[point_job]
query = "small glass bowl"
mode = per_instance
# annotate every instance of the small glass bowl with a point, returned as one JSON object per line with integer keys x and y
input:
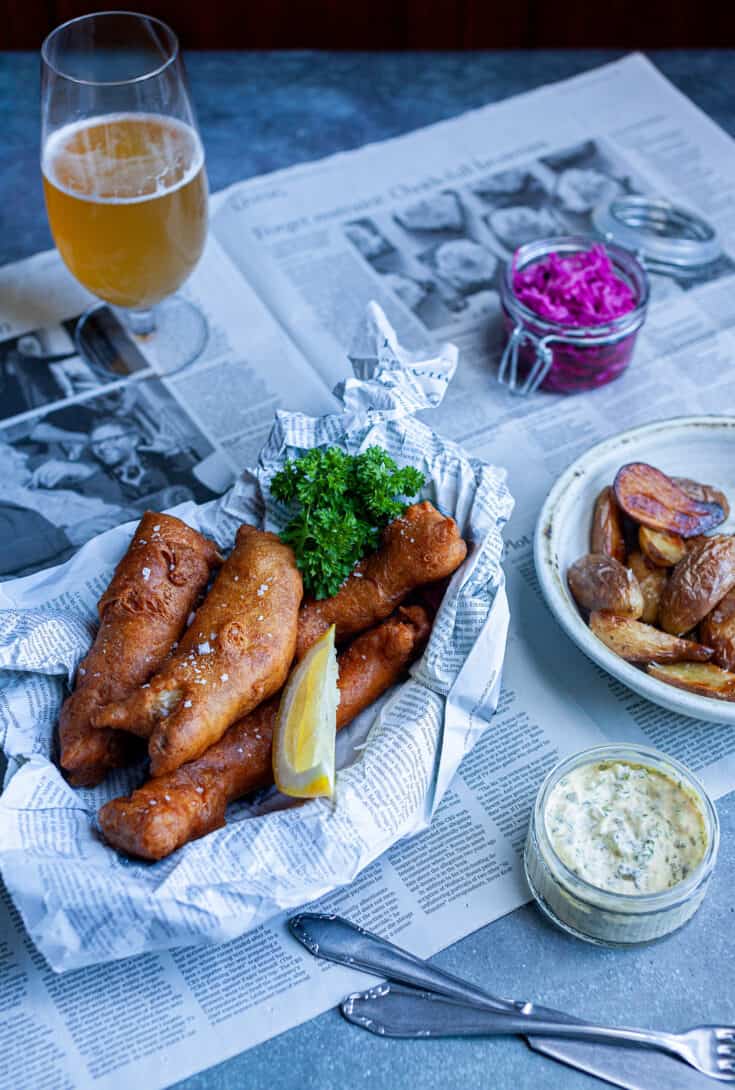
{"x": 597, "y": 915}
{"x": 548, "y": 355}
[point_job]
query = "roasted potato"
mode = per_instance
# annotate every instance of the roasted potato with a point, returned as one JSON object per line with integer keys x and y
{"x": 705, "y": 493}
{"x": 693, "y": 543}
{"x": 697, "y": 584}
{"x": 641, "y": 643}
{"x": 697, "y": 677}
{"x": 654, "y": 500}
{"x": 718, "y": 630}
{"x": 601, "y": 582}
{"x": 607, "y": 533}
{"x": 662, "y": 548}
{"x": 651, "y": 580}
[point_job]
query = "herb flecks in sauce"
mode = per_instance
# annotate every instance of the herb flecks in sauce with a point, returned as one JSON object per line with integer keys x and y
{"x": 625, "y": 827}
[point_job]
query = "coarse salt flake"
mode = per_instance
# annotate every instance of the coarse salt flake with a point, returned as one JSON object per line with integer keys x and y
{"x": 146, "y": 573}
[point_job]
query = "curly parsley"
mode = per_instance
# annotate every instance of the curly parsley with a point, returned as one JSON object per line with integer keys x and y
{"x": 343, "y": 502}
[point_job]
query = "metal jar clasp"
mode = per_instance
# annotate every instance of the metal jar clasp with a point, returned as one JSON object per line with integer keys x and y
{"x": 508, "y": 369}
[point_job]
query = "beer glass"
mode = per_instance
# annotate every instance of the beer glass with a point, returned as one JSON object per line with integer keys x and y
{"x": 124, "y": 176}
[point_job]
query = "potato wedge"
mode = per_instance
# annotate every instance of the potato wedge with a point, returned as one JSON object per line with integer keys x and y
{"x": 653, "y": 500}
{"x": 651, "y": 580}
{"x": 702, "y": 678}
{"x": 718, "y": 630}
{"x": 601, "y": 582}
{"x": 661, "y": 547}
{"x": 607, "y": 533}
{"x": 693, "y": 543}
{"x": 705, "y": 493}
{"x": 641, "y": 643}
{"x": 697, "y": 584}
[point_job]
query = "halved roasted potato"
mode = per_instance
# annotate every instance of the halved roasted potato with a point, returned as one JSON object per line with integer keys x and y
{"x": 702, "y": 678}
{"x": 651, "y": 580}
{"x": 718, "y": 630}
{"x": 641, "y": 643}
{"x": 661, "y": 547}
{"x": 697, "y": 584}
{"x": 601, "y": 582}
{"x": 654, "y": 500}
{"x": 607, "y": 533}
{"x": 705, "y": 493}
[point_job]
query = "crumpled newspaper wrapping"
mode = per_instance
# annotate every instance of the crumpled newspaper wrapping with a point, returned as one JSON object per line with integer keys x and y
{"x": 81, "y": 902}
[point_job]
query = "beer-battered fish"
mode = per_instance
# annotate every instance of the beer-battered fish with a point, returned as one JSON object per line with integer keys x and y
{"x": 235, "y": 654}
{"x": 190, "y": 802}
{"x": 142, "y": 612}
{"x": 419, "y": 547}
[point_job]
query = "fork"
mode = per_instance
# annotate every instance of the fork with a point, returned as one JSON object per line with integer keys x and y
{"x": 394, "y": 1011}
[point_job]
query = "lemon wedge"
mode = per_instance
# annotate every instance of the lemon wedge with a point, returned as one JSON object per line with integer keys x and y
{"x": 306, "y": 726}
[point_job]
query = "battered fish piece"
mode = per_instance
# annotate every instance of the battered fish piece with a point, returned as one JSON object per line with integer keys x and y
{"x": 420, "y": 547}
{"x": 142, "y": 612}
{"x": 172, "y": 810}
{"x": 235, "y": 654}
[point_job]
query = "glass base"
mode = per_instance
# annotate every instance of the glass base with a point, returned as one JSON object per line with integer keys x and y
{"x": 107, "y": 340}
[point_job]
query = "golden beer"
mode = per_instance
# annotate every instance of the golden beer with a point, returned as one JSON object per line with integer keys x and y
{"x": 126, "y": 196}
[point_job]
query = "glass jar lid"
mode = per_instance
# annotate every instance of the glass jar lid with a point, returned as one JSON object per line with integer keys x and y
{"x": 667, "y": 236}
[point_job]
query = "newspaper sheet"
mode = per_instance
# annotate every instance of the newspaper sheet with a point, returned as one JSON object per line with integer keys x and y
{"x": 421, "y": 224}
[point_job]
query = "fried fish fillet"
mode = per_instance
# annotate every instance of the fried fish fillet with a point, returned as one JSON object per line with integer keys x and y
{"x": 235, "y": 654}
{"x": 420, "y": 547}
{"x": 142, "y": 612}
{"x": 174, "y": 809}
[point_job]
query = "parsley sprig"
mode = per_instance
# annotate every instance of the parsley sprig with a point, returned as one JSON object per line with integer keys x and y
{"x": 342, "y": 503}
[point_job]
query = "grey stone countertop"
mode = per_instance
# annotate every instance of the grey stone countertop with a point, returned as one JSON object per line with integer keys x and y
{"x": 262, "y": 111}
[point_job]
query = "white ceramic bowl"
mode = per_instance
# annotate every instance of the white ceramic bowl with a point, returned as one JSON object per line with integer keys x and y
{"x": 700, "y": 447}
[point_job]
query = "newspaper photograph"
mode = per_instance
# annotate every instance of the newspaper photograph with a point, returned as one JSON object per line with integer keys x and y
{"x": 422, "y": 225}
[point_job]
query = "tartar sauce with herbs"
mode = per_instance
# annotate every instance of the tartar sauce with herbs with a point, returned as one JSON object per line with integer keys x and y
{"x": 625, "y": 827}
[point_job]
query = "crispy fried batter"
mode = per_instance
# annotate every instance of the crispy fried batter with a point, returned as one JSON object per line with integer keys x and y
{"x": 142, "y": 612}
{"x": 168, "y": 812}
{"x": 420, "y": 547}
{"x": 235, "y": 654}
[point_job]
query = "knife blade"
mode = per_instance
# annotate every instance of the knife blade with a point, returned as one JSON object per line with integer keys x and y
{"x": 336, "y": 939}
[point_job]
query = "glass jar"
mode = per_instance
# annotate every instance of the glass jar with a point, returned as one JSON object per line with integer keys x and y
{"x": 544, "y": 354}
{"x": 601, "y": 916}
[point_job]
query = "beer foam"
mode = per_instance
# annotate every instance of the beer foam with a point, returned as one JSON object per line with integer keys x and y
{"x": 80, "y": 159}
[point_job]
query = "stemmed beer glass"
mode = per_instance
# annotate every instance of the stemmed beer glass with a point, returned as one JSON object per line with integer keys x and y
{"x": 124, "y": 176}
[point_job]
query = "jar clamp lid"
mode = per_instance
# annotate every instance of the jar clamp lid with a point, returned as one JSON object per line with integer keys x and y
{"x": 666, "y": 237}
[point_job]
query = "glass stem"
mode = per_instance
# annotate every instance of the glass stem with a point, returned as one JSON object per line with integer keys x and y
{"x": 141, "y": 322}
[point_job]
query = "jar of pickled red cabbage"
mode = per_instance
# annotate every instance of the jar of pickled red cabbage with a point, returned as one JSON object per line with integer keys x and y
{"x": 572, "y": 308}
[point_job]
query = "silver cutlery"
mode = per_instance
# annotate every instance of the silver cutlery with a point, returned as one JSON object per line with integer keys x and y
{"x": 392, "y": 1011}
{"x": 337, "y": 940}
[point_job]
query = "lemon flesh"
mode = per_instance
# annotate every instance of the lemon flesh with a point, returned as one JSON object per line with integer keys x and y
{"x": 306, "y": 725}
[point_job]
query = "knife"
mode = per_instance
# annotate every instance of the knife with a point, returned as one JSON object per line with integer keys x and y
{"x": 336, "y": 939}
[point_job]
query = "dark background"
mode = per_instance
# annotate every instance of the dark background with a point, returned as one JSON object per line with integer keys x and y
{"x": 404, "y": 24}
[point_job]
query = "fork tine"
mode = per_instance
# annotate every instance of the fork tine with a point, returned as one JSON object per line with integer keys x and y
{"x": 726, "y": 1050}
{"x": 725, "y": 1033}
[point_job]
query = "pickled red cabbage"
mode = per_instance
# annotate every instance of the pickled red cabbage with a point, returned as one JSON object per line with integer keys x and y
{"x": 578, "y": 289}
